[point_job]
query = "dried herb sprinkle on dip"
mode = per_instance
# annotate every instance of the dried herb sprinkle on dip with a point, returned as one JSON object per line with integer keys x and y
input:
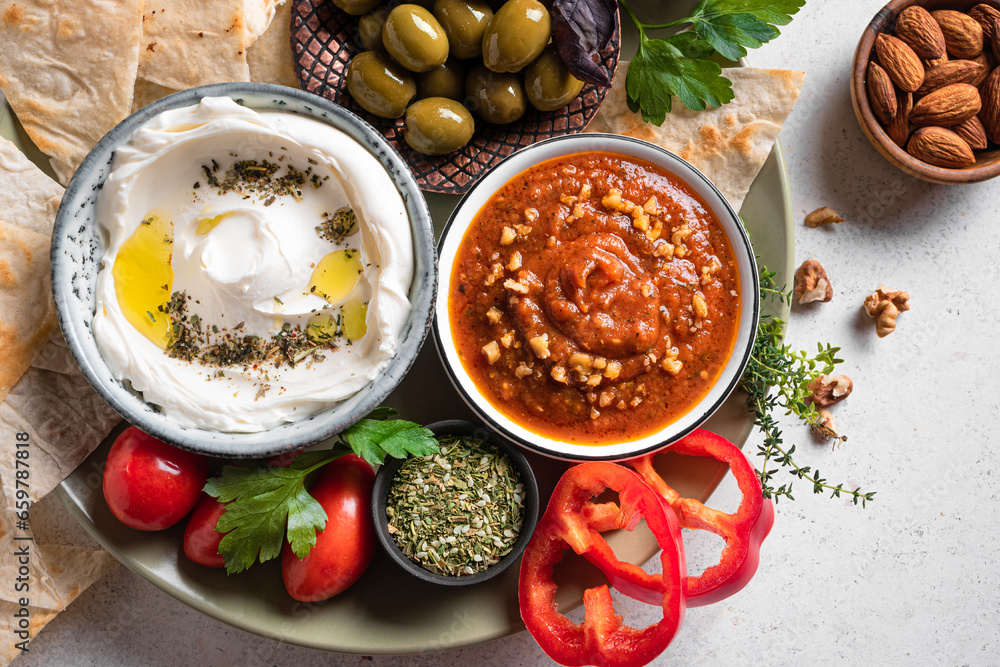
{"x": 459, "y": 511}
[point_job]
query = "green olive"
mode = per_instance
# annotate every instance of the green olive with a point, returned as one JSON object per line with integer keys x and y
{"x": 517, "y": 34}
{"x": 448, "y": 80}
{"x": 464, "y": 21}
{"x": 414, "y": 38}
{"x": 495, "y": 97}
{"x": 548, "y": 83}
{"x": 437, "y": 125}
{"x": 380, "y": 85}
{"x": 370, "y": 30}
{"x": 357, "y": 7}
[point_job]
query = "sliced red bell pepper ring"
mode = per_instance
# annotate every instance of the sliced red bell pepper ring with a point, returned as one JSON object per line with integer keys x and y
{"x": 743, "y": 531}
{"x": 602, "y": 638}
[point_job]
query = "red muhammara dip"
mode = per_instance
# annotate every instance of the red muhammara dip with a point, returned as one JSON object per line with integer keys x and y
{"x": 594, "y": 299}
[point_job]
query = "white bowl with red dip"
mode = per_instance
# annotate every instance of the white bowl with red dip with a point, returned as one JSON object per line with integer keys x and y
{"x": 599, "y": 298}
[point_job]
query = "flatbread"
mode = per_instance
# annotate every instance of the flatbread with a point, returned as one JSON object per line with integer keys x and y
{"x": 57, "y": 572}
{"x": 270, "y": 58}
{"x": 68, "y": 82}
{"x": 63, "y": 416}
{"x": 50, "y": 407}
{"x": 188, "y": 43}
{"x": 28, "y": 203}
{"x": 728, "y": 144}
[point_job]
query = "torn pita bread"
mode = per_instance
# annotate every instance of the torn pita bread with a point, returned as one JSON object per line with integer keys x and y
{"x": 188, "y": 43}
{"x": 728, "y": 144}
{"x": 57, "y": 574}
{"x": 270, "y": 58}
{"x": 63, "y": 416}
{"x": 28, "y": 203}
{"x": 50, "y": 401}
{"x": 258, "y": 16}
{"x": 68, "y": 82}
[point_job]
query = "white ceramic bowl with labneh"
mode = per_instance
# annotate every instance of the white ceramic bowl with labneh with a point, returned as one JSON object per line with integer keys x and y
{"x": 243, "y": 269}
{"x": 599, "y": 298}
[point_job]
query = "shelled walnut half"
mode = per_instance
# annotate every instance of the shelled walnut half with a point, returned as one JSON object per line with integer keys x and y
{"x": 885, "y": 306}
{"x": 812, "y": 283}
{"x": 826, "y": 390}
{"x": 823, "y": 216}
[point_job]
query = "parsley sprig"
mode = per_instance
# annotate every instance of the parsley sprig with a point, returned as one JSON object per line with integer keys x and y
{"x": 266, "y": 503}
{"x": 778, "y": 377}
{"x": 679, "y": 65}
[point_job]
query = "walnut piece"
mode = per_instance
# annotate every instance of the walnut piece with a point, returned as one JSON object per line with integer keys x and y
{"x": 492, "y": 352}
{"x": 827, "y": 390}
{"x": 540, "y": 346}
{"x": 822, "y": 216}
{"x": 699, "y": 305}
{"x": 812, "y": 283}
{"x": 885, "y": 306}
{"x": 515, "y": 286}
{"x": 825, "y": 428}
{"x": 515, "y": 262}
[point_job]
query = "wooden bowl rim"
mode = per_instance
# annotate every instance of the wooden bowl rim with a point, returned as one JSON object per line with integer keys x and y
{"x": 871, "y": 127}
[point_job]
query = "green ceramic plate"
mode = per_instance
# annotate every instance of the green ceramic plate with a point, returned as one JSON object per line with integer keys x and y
{"x": 387, "y": 611}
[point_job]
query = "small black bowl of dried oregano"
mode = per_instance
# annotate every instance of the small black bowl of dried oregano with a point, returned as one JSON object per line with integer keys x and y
{"x": 461, "y": 516}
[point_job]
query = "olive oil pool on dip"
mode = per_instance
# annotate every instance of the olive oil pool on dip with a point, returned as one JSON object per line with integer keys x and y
{"x": 594, "y": 299}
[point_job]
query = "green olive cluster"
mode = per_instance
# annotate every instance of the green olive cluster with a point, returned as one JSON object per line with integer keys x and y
{"x": 438, "y": 60}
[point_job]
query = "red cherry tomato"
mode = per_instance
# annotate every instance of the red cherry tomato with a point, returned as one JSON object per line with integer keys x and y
{"x": 150, "y": 485}
{"x": 344, "y": 548}
{"x": 201, "y": 539}
{"x": 283, "y": 460}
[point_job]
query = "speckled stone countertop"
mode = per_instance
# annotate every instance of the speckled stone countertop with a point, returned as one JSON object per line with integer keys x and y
{"x": 909, "y": 580}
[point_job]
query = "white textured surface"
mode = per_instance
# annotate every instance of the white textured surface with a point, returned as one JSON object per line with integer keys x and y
{"x": 910, "y": 580}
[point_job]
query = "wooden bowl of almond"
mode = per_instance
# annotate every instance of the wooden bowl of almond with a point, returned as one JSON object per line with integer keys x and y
{"x": 926, "y": 88}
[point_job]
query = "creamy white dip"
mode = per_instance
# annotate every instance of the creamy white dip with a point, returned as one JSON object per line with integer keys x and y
{"x": 245, "y": 260}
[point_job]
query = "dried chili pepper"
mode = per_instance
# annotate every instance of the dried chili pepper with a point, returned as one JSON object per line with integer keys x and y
{"x": 743, "y": 531}
{"x": 573, "y": 521}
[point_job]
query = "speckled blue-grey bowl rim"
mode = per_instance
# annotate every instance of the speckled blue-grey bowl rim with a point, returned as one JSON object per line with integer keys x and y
{"x": 77, "y": 249}
{"x": 531, "y": 500}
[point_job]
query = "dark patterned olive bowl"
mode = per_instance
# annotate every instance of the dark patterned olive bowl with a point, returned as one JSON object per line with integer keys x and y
{"x": 324, "y": 39}
{"x": 479, "y": 475}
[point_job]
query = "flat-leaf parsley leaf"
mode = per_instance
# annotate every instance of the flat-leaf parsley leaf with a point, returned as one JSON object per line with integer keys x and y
{"x": 264, "y": 503}
{"x": 679, "y": 65}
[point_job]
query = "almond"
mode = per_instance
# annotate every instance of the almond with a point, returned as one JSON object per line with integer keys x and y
{"x": 995, "y": 42}
{"x": 972, "y": 132}
{"x": 988, "y": 62}
{"x": 954, "y": 71}
{"x": 986, "y": 16}
{"x": 881, "y": 93}
{"x": 941, "y": 147}
{"x": 947, "y": 106}
{"x": 900, "y": 62}
{"x": 962, "y": 34}
{"x": 899, "y": 129}
{"x": 990, "y": 113}
{"x": 920, "y": 31}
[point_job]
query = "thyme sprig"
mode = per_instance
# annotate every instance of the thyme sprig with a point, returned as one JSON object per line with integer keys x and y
{"x": 779, "y": 377}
